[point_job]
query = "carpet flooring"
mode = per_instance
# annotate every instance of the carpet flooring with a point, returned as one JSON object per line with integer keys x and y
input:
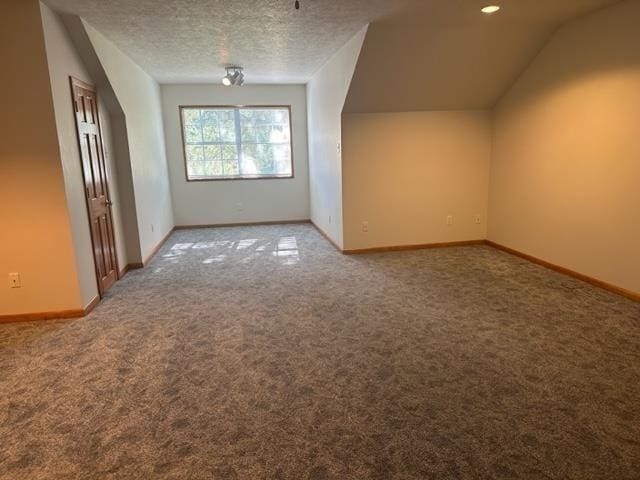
{"x": 262, "y": 353}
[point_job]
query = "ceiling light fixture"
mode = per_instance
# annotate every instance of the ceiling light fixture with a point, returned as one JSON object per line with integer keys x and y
{"x": 234, "y": 77}
{"x": 491, "y": 9}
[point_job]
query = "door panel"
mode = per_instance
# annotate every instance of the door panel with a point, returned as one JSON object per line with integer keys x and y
{"x": 96, "y": 183}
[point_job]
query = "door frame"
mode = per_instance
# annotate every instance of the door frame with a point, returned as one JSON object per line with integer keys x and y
{"x": 87, "y": 86}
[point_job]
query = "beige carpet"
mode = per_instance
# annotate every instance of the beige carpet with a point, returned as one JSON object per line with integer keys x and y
{"x": 262, "y": 353}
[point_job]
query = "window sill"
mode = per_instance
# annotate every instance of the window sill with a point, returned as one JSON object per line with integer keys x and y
{"x": 246, "y": 177}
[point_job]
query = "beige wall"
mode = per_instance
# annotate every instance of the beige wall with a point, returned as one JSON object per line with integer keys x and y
{"x": 206, "y": 203}
{"x": 445, "y": 55}
{"x": 139, "y": 96}
{"x": 326, "y": 93}
{"x": 566, "y": 164}
{"x": 35, "y": 233}
{"x": 63, "y": 62}
{"x": 404, "y": 173}
{"x": 427, "y": 67}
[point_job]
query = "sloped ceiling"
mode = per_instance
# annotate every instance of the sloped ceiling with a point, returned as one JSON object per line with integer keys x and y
{"x": 419, "y": 54}
{"x": 447, "y": 55}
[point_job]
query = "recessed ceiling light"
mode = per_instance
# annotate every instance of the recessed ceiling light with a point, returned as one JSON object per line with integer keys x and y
{"x": 491, "y": 9}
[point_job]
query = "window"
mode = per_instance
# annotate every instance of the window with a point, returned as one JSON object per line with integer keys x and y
{"x": 237, "y": 142}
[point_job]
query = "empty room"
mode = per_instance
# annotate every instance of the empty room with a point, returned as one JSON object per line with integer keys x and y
{"x": 320, "y": 239}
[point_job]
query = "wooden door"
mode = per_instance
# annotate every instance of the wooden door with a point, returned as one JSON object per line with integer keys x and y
{"x": 95, "y": 182}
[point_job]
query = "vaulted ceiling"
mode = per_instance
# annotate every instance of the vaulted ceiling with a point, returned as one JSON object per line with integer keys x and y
{"x": 418, "y": 54}
{"x": 447, "y": 55}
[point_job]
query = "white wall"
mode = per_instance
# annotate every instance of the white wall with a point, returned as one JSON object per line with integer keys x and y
{"x": 139, "y": 97}
{"x": 404, "y": 173}
{"x": 326, "y": 94}
{"x": 216, "y": 202}
{"x": 566, "y": 163}
{"x": 115, "y": 139}
{"x": 116, "y": 144}
{"x": 119, "y": 206}
{"x": 35, "y": 233}
{"x": 63, "y": 62}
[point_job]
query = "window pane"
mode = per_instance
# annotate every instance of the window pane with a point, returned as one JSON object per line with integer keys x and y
{"x": 210, "y": 116}
{"x": 212, "y": 149}
{"x": 230, "y": 167}
{"x": 248, "y": 161}
{"x": 191, "y": 170}
{"x": 282, "y": 159}
{"x": 210, "y": 133}
{"x": 281, "y": 134}
{"x": 217, "y": 169}
{"x": 192, "y": 134}
{"x": 208, "y": 168}
{"x": 212, "y": 152}
{"x": 229, "y": 152}
{"x": 195, "y": 153}
{"x": 191, "y": 117}
{"x": 228, "y": 130}
{"x": 264, "y": 134}
{"x": 196, "y": 168}
{"x": 248, "y": 134}
{"x": 266, "y": 143}
{"x": 258, "y": 159}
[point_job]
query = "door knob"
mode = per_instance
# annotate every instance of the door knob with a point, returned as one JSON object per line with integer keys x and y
{"x": 108, "y": 202}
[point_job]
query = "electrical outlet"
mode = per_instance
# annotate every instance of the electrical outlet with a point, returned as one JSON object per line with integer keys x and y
{"x": 240, "y": 207}
{"x": 14, "y": 280}
{"x": 478, "y": 219}
{"x": 450, "y": 220}
{"x": 365, "y": 227}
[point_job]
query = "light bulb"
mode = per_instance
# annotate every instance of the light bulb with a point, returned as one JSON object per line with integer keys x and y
{"x": 491, "y": 9}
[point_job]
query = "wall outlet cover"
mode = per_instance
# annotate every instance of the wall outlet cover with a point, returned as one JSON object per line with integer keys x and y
{"x": 14, "y": 280}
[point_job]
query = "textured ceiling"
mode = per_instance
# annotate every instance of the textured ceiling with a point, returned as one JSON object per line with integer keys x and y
{"x": 192, "y": 40}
